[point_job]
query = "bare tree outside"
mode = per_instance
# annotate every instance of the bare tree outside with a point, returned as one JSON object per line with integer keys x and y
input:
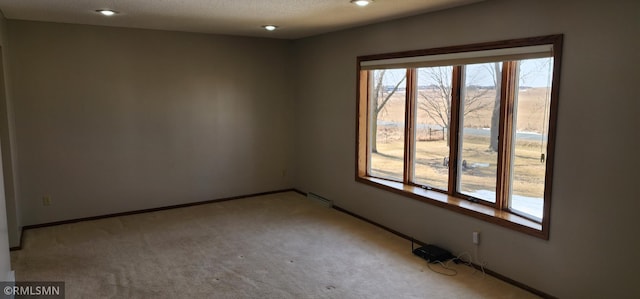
{"x": 496, "y": 75}
{"x": 435, "y": 99}
{"x": 495, "y": 70}
{"x": 380, "y": 95}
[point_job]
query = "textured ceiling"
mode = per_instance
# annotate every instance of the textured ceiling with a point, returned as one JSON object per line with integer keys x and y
{"x": 296, "y": 18}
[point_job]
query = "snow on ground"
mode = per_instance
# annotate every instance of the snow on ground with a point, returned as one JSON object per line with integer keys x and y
{"x": 530, "y": 205}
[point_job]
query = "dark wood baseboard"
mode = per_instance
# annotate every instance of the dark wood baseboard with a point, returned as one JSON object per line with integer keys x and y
{"x": 395, "y": 232}
{"x": 488, "y": 271}
{"x": 14, "y": 248}
{"x": 26, "y": 227}
{"x": 515, "y": 283}
{"x": 299, "y": 192}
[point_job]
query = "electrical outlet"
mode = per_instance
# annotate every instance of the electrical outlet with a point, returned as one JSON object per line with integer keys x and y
{"x": 46, "y": 200}
{"x": 476, "y": 238}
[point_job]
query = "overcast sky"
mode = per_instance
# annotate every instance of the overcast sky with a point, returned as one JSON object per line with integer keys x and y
{"x": 533, "y": 73}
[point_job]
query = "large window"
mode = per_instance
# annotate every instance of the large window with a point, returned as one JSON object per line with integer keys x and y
{"x": 469, "y": 128}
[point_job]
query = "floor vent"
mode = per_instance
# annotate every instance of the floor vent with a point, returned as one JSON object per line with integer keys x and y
{"x": 319, "y": 199}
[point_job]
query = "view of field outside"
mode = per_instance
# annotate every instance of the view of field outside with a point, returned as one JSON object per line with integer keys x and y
{"x": 478, "y": 154}
{"x": 432, "y": 123}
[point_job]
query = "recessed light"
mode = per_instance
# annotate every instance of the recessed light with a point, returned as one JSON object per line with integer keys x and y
{"x": 270, "y": 27}
{"x": 361, "y": 2}
{"x": 107, "y": 12}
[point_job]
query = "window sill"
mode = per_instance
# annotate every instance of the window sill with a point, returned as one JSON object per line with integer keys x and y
{"x": 479, "y": 211}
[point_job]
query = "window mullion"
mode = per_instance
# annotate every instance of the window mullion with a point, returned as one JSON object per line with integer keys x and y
{"x": 454, "y": 126}
{"x": 505, "y": 137}
{"x": 364, "y": 123}
{"x": 409, "y": 128}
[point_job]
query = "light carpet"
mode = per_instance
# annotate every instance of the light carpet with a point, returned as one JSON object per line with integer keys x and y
{"x": 273, "y": 246}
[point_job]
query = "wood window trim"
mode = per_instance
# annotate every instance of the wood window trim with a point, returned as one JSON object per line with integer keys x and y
{"x": 456, "y": 204}
{"x": 499, "y": 213}
{"x": 409, "y": 111}
{"x": 454, "y": 126}
{"x": 505, "y": 129}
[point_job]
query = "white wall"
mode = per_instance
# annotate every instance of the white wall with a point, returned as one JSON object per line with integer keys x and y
{"x": 593, "y": 247}
{"x": 111, "y": 120}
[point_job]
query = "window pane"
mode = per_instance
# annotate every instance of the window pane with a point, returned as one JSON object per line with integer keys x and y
{"x": 531, "y": 113}
{"x": 480, "y": 107}
{"x": 387, "y": 106}
{"x": 433, "y": 114}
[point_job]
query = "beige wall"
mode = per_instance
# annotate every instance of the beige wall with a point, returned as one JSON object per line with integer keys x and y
{"x": 8, "y": 144}
{"x": 593, "y": 246}
{"x": 5, "y": 224}
{"x": 111, "y": 120}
